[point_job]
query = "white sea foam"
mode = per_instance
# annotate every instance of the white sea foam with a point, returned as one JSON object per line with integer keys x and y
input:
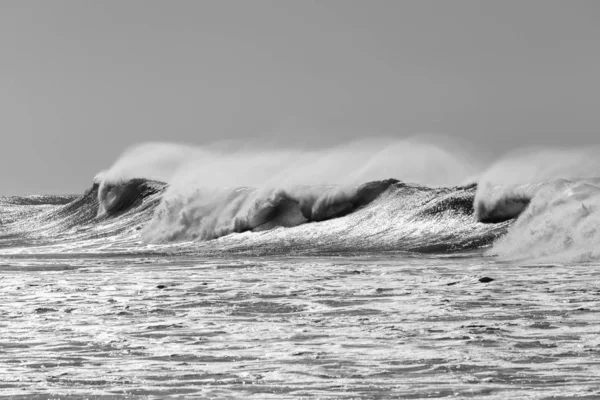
{"x": 556, "y": 196}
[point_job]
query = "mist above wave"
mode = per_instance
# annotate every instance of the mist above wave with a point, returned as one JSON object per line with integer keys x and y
{"x": 234, "y": 164}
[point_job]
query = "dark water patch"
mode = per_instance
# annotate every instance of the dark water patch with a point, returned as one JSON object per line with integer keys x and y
{"x": 430, "y": 393}
{"x": 205, "y": 359}
{"x": 237, "y": 266}
{"x": 277, "y": 388}
{"x": 568, "y": 354}
{"x": 481, "y": 329}
{"x": 74, "y": 382}
{"x": 361, "y": 345}
{"x": 485, "y": 343}
{"x": 406, "y": 370}
{"x": 197, "y": 378}
{"x": 283, "y": 295}
{"x": 449, "y": 338}
{"x": 201, "y": 304}
{"x": 254, "y": 308}
{"x": 161, "y": 327}
{"x": 535, "y": 344}
{"x": 60, "y": 362}
{"x": 343, "y": 303}
{"x": 299, "y": 337}
{"x": 542, "y": 325}
{"x": 44, "y": 310}
{"x": 584, "y": 309}
{"x": 344, "y": 313}
{"x": 158, "y": 393}
{"x": 471, "y": 368}
{"x": 16, "y": 345}
{"x": 316, "y": 361}
{"x": 525, "y": 338}
{"x": 535, "y": 360}
{"x": 174, "y": 334}
{"x": 208, "y": 334}
{"x": 573, "y": 324}
{"x": 37, "y": 268}
{"x": 161, "y": 311}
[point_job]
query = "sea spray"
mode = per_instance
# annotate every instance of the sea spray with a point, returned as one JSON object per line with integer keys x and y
{"x": 554, "y": 195}
{"x": 418, "y": 160}
{"x": 214, "y": 191}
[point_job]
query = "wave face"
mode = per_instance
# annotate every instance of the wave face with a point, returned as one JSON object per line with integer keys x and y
{"x": 53, "y": 220}
{"x": 376, "y": 216}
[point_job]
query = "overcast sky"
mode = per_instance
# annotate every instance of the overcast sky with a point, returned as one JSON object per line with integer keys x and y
{"x": 82, "y": 80}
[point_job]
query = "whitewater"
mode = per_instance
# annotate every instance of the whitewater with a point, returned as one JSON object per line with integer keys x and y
{"x": 375, "y": 269}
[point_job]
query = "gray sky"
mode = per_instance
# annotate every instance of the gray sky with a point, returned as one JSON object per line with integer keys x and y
{"x": 81, "y": 80}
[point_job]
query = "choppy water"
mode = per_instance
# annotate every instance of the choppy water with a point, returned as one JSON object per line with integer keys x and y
{"x": 370, "y": 326}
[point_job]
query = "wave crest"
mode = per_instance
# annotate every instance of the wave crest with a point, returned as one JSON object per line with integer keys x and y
{"x": 209, "y": 214}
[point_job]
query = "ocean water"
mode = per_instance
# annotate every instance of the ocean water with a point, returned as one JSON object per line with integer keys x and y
{"x": 142, "y": 288}
{"x": 345, "y": 326}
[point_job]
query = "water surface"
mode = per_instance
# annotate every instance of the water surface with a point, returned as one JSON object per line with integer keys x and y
{"x": 360, "y": 326}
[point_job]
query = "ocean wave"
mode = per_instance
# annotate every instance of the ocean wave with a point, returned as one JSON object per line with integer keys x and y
{"x": 554, "y": 197}
{"x": 81, "y": 218}
{"x": 517, "y": 209}
{"x": 215, "y": 193}
{"x": 557, "y": 220}
{"x": 378, "y": 215}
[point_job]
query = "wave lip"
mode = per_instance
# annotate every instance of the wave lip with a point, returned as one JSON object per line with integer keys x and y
{"x": 118, "y": 197}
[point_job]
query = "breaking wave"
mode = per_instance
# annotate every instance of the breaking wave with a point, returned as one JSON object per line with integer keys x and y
{"x": 164, "y": 196}
{"x": 215, "y": 213}
{"x": 376, "y": 216}
{"x": 554, "y": 197}
{"x": 83, "y": 220}
{"x": 213, "y": 192}
{"x": 536, "y": 204}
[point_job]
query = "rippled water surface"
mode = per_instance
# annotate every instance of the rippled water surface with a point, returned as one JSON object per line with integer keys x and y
{"x": 385, "y": 326}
